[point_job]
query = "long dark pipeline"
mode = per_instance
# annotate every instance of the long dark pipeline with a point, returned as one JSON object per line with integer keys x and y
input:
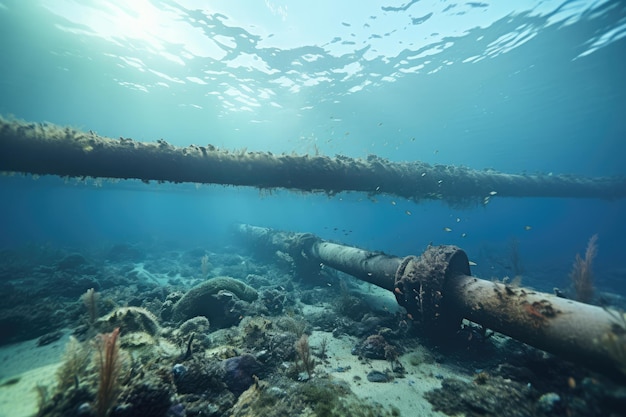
{"x": 42, "y": 148}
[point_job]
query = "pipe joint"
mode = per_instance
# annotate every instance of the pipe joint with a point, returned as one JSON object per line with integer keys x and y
{"x": 420, "y": 286}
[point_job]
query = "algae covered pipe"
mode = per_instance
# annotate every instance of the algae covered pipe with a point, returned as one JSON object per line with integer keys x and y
{"x": 438, "y": 291}
{"x": 42, "y": 148}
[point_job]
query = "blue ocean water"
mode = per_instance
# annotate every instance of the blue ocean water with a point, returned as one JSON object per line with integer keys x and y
{"x": 524, "y": 88}
{"x": 519, "y": 87}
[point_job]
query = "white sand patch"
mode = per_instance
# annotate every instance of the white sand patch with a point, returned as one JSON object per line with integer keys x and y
{"x": 406, "y": 394}
{"x": 25, "y": 366}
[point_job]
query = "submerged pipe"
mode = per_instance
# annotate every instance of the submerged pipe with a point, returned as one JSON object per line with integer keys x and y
{"x": 438, "y": 291}
{"x": 42, "y": 148}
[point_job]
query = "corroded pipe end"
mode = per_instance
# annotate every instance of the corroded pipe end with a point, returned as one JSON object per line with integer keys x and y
{"x": 420, "y": 287}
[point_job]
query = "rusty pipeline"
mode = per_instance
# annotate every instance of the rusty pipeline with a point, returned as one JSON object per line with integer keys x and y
{"x": 438, "y": 292}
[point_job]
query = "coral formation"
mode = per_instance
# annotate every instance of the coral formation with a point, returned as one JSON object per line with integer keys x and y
{"x": 315, "y": 398}
{"x": 304, "y": 354}
{"x": 582, "y": 273}
{"x": 75, "y": 362}
{"x": 109, "y": 367}
{"x": 90, "y": 300}
{"x": 239, "y": 372}
{"x": 215, "y": 300}
{"x": 487, "y": 399}
{"x": 130, "y": 320}
{"x": 219, "y": 349}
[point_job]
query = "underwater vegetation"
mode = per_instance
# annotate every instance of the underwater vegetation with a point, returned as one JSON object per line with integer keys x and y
{"x": 262, "y": 338}
{"x": 109, "y": 367}
{"x": 582, "y": 273}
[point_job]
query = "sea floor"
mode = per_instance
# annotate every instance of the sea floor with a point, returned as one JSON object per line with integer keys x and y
{"x": 235, "y": 333}
{"x": 37, "y": 366}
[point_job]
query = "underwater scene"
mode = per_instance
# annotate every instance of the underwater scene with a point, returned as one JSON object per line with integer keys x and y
{"x": 296, "y": 208}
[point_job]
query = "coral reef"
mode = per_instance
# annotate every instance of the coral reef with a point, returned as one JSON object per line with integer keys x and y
{"x": 216, "y": 348}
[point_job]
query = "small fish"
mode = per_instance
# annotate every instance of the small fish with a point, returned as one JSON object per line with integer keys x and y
{"x": 393, "y": 203}
{"x": 463, "y": 234}
{"x": 528, "y": 227}
{"x": 447, "y": 229}
{"x": 493, "y": 193}
{"x": 472, "y": 263}
{"x": 408, "y": 213}
{"x": 458, "y": 219}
